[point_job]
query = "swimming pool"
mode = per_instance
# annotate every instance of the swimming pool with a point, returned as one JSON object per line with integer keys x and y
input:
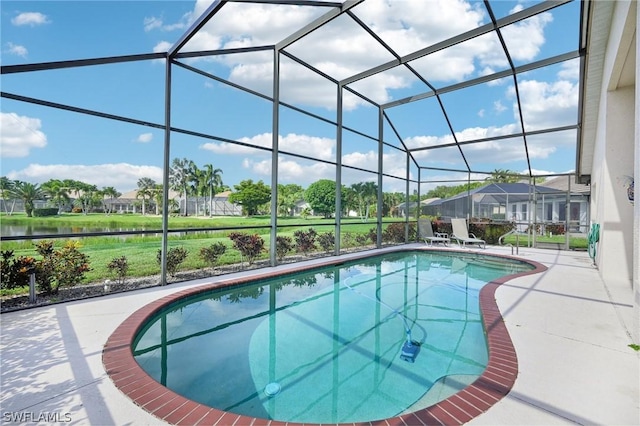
{"x": 324, "y": 345}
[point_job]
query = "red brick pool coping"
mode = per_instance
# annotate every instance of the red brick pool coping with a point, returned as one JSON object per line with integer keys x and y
{"x": 494, "y": 383}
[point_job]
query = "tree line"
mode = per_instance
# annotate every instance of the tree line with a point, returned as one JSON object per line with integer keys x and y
{"x": 188, "y": 180}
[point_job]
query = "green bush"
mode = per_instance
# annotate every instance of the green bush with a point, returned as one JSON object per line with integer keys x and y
{"x": 373, "y": 235}
{"x": 15, "y": 272}
{"x": 284, "y": 245}
{"x": 212, "y": 253}
{"x": 305, "y": 240}
{"x": 327, "y": 241}
{"x": 175, "y": 256}
{"x": 119, "y": 267}
{"x": 249, "y": 246}
{"x": 65, "y": 267}
{"x": 46, "y": 211}
{"x": 71, "y": 264}
{"x": 394, "y": 233}
{"x": 554, "y": 228}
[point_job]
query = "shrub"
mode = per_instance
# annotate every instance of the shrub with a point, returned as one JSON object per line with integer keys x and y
{"x": 373, "y": 235}
{"x": 395, "y": 233}
{"x": 554, "y": 228}
{"x": 47, "y": 211}
{"x": 70, "y": 265}
{"x": 284, "y": 245}
{"x": 249, "y": 246}
{"x": 45, "y": 268}
{"x": 305, "y": 240}
{"x": 65, "y": 267}
{"x": 212, "y": 253}
{"x": 119, "y": 267}
{"x": 362, "y": 239}
{"x": 327, "y": 241}
{"x": 175, "y": 256}
{"x": 348, "y": 239}
{"x": 15, "y": 272}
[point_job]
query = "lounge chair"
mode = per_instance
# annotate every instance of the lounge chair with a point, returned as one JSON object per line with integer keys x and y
{"x": 427, "y": 234}
{"x": 462, "y": 236}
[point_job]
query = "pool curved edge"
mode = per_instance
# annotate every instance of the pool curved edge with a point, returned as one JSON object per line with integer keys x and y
{"x": 494, "y": 383}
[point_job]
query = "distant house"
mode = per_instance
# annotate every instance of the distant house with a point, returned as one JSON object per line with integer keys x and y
{"x": 220, "y": 205}
{"x": 556, "y": 201}
{"x": 401, "y": 209}
{"x": 299, "y": 207}
{"x": 130, "y": 203}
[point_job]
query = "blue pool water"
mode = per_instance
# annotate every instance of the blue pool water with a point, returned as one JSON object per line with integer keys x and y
{"x": 324, "y": 346}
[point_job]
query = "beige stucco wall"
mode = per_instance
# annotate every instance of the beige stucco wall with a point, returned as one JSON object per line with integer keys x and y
{"x": 617, "y": 157}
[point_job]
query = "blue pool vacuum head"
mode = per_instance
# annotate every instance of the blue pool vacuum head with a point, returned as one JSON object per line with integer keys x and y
{"x": 410, "y": 348}
{"x": 410, "y": 351}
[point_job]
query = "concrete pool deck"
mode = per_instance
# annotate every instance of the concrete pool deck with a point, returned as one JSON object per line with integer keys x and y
{"x": 569, "y": 330}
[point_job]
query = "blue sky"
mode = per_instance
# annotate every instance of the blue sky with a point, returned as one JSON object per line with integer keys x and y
{"x": 39, "y": 143}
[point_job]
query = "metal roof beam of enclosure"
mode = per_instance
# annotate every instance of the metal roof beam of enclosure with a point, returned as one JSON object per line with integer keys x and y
{"x": 218, "y": 52}
{"x": 338, "y": 192}
{"x": 397, "y": 61}
{"x": 327, "y": 17}
{"x": 484, "y": 79}
{"x": 308, "y": 66}
{"x": 390, "y": 123}
{"x": 495, "y": 138}
{"x": 275, "y": 132}
{"x": 270, "y": 99}
{"x": 80, "y": 110}
{"x": 223, "y": 81}
{"x": 195, "y": 27}
{"x": 453, "y": 133}
{"x": 515, "y": 83}
{"x": 460, "y": 38}
{"x": 43, "y": 66}
{"x": 290, "y": 2}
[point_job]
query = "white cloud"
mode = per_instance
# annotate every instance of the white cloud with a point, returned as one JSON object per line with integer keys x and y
{"x": 548, "y": 104}
{"x": 292, "y": 171}
{"x": 570, "y": 70}
{"x": 341, "y": 48}
{"x": 19, "y": 135}
{"x": 122, "y": 176}
{"x": 498, "y": 107}
{"x": 151, "y": 23}
{"x": 311, "y": 146}
{"x": 525, "y": 38}
{"x": 145, "y": 138}
{"x": 162, "y": 46}
{"x": 16, "y": 49}
{"x": 30, "y": 18}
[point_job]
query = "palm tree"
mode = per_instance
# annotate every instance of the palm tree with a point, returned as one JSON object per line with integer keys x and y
{"x": 179, "y": 177}
{"x": 196, "y": 187}
{"x": 6, "y": 192}
{"x": 111, "y": 192}
{"x": 28, "y": 193}
{"x": 145, "y": 190}
{"x": 211, "y": 180}
{"x": 88, "y": 196}
{"x": 157, "y": 194}
{"x": 366, "y": 193}
{"x": 57, "y": 192}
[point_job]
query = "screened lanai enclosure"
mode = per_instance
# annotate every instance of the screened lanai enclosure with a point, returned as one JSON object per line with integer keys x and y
{"x": 400, "y": 97}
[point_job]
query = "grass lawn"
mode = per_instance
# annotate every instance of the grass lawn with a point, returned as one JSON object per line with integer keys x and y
{"x": 131, "y": 221}
{"x": 575, "y": 243}
{"x": 141, "y": 251}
